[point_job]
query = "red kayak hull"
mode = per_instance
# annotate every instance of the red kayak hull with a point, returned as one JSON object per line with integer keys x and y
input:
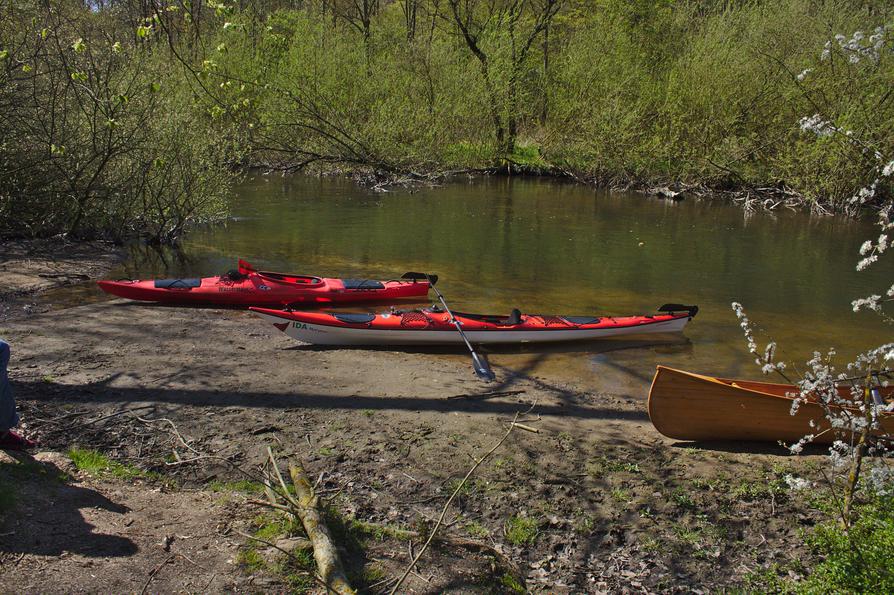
{"x": 433, "y": 327}
{"x": 259, "y": 288}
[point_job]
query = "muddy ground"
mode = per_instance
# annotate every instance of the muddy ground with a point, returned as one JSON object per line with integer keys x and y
{"x": 187, "y": 401}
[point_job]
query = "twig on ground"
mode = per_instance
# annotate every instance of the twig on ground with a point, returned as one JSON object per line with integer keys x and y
{"x": 456, "y": 491}
{"x": 155, "y": 571}
{"x": 525, "y": 428}
{"x": 174, "y": 429}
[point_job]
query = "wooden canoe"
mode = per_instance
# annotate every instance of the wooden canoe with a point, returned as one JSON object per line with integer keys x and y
{"x": 687, "y": 406}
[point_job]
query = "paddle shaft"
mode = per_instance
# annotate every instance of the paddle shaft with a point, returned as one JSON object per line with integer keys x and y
{"x": 481, "y": 367}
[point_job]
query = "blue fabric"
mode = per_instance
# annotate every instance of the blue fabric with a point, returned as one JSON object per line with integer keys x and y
{"x": 8, "y": 416}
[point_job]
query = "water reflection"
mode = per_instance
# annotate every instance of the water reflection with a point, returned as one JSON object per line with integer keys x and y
{"x": 550, "y": 247}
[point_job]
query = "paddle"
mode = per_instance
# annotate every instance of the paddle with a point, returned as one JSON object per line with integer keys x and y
{"x": 482, "y": 368}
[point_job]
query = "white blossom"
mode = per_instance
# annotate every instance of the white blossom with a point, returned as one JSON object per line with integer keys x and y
{"x": 870, "y": 303}
{"x": 797, "y": 484}
{"x": 817, "y": 125}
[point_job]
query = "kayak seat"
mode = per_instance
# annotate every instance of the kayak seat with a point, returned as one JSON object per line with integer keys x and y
{"x": 177, "y": 283}
{"x": 354, "y": 318}
{"x": 363, "y": 284}
{"x": 579, "y": 320}
{"x": 233, "y": 276}
{"x": 513, "y": 319}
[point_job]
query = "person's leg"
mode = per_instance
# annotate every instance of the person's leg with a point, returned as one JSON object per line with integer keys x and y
{"x": 9, "y": 418}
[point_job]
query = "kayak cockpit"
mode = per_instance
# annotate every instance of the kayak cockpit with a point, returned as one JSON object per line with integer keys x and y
{"x": 290, "y": 279}
{"x": 513, "y": 319}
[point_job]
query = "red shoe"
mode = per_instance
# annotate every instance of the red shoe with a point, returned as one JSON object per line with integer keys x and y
{"x": 10, "y": 440}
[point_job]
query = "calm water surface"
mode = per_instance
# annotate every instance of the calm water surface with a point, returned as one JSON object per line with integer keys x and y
{"x": 552, "y": 247}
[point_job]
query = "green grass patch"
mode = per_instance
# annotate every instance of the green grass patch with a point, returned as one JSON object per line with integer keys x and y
{"x": 297, "y": 570}
{"x": 476, "y": 530}
{"x": 521, "y": 530}
{"x": 250, "y": 559}
{"x": 621, "y": 495}
{"x": 244, "y": 486}
{"x": 366, "y": 530}
{"x": 501, "y": 463}
{"x": 95, "y": 463}
{"x": 372, "y": 574}
{"x": 270, "y": 526}
{"x": 753, "y": 491}
{"x": 603, "y": 465}
{"x": 511, "y": 584}
{"x": 683, "y": 499}
{"x": 766, "y": 580}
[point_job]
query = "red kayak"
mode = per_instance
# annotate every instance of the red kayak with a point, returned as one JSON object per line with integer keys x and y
{"x": 248, "y": 287}
{"x": 434, "y": 327}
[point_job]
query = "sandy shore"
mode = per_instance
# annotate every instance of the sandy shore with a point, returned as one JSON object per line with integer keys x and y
{"x": 604, "y": 501}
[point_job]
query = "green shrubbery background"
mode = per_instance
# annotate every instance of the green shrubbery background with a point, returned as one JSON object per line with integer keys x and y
{"x": 136, "y": 127}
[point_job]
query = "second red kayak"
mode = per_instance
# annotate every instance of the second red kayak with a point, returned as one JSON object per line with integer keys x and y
{"x": 434, "y": 327}
{"x": 249, "y": 287}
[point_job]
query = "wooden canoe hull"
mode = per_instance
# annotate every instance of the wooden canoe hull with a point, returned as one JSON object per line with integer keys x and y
{"x": 687, "y": 406}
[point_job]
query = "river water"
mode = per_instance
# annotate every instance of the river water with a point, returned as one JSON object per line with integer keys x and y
{"x": 552, "y": 247}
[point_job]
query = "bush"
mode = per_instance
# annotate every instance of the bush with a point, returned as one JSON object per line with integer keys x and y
{"x": 858, "y": 560}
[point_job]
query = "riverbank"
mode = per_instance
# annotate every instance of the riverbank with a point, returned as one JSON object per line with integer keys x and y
{"x": 179, "y": 400}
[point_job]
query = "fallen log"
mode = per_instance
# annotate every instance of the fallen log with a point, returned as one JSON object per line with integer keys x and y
{"x": 308, "y": 510}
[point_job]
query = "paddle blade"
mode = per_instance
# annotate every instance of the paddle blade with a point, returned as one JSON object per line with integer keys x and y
{"x": 482, "y": 368}
{"x": 671, "y": 308}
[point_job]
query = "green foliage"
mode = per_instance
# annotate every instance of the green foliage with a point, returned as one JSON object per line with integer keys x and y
{"x": 521, "y": 530}
{"x": 858, "y": 560}
{"x": 116, "y": 125}
{"x": 100, "y": 136}
{"x": 96, "y": 463}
